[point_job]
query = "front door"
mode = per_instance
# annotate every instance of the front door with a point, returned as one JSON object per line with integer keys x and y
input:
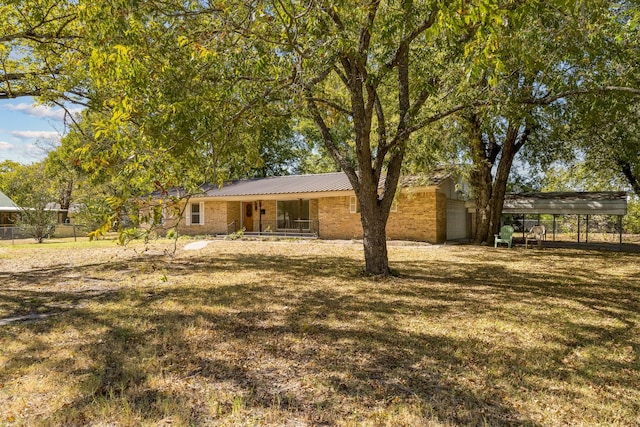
{"x": 247, "y": 209}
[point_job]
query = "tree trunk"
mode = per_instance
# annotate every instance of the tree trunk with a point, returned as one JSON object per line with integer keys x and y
{"x": 510, "y": 147}
{"x": 489, "y": 192}
{"x": 481, "y": 184}
{"x": 483, "y": 154}
{"x": 628, "y": 173}
{"x": 374, "y": 230}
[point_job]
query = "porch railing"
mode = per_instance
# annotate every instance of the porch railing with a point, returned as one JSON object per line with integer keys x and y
{"x": 298, "y": 227}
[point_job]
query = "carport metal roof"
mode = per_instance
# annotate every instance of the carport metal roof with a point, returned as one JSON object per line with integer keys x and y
{"x": 567, "y": 203}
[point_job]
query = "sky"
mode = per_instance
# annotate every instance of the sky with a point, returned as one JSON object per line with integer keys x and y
{"x": 28, "y": 130}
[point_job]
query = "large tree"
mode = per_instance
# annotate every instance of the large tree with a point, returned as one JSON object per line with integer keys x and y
{"x": 186, "y": 84}
{"x": 382, "y": 70}
{"x": 569, "y": 58}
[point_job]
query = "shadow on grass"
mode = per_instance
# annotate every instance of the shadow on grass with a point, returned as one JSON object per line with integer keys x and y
{"x": 306, "y": 337}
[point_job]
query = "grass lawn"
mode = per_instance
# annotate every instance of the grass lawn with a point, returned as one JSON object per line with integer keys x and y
{"x": 289, "y": 333}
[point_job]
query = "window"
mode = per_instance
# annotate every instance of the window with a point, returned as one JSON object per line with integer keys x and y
{"x": 354, "y": 205}
{"x": 293, "y": 214}
{"x": 195, "y": 214}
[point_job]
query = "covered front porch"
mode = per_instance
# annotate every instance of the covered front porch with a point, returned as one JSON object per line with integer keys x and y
{"x": 289, "y": 218}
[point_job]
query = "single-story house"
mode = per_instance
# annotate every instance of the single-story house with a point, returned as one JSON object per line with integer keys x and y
{"x": 64, "y": 216}
{"x": 427, "y": 208}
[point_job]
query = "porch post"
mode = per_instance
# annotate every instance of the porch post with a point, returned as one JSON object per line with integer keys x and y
{"x": 554, "y": 227}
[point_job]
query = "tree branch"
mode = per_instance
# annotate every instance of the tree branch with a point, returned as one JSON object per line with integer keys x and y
{"x": 333, "y": 105}
{"x": 404, "y": 44}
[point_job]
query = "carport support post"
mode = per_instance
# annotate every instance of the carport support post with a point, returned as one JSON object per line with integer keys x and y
{"x": 586, "y": 231}
{"x": 579, "y": 228}
{"x": 554, "y": 227}
{"x": 620, "y": 227}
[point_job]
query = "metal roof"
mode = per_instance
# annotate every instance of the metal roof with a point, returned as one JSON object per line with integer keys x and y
{"x": 6, "y": 204}
{"x": 309, "y": 184}
{"x": 564, "y": 203}
{"x": 295, "y": 185}
{"x": 290, "y": 184}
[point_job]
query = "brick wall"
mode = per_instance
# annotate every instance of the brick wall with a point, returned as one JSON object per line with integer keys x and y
{"x": 336, "y": 222}
{"x": 421, "y": 215}
{"x": 234, "y": 214}
{"x": 215, "y": 220}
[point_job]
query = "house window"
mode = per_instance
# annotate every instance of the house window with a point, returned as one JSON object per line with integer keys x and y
{"x": 195, "y": 214}
{"x": 293, "y": 214}
{"x": 354, "y": 205}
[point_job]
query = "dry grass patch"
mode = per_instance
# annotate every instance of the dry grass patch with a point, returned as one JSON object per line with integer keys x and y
{"x": 289, "y": 333}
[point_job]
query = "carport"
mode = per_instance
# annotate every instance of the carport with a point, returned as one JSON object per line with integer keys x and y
{"x": 581, "y": 204}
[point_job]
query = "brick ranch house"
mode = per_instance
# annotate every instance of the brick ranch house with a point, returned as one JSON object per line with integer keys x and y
{"x": 427, "y": 208}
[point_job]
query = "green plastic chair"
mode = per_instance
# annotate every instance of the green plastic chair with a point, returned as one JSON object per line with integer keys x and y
{"x": 505, "y": 236}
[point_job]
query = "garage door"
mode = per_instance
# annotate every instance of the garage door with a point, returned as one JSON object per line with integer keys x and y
{"x": 456, "y": 220}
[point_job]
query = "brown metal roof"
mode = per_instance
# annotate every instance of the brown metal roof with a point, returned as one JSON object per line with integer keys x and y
{"x": 297, "y": 184}
{"x": 316, "y": 183}
{"x": 435, "y": 177}
{"x": 291, "y": 184}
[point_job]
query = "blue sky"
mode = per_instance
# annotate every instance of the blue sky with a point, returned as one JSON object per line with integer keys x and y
{"x": 28, "y": 130}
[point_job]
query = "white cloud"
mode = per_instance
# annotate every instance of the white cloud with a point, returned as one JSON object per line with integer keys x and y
{"x": 22, "y": 153}
{"x": 40, "y": 111}
{"x": 37, "y": 135}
